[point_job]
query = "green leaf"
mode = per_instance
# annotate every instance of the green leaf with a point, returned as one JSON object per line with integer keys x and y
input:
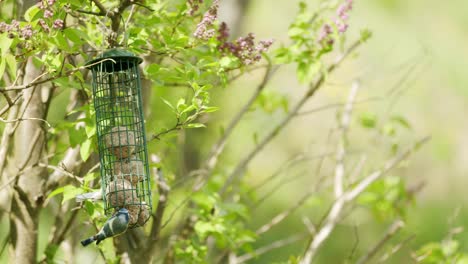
{"x": 85, "y": 149}
{"x": 450, "y": 247}
{"x": 195, "y": 125}
{"x": 2, "y": 65}
{"x": 153, "y": 69}
{"x": 61, "y": 42}
{"x": 5, "y": 44}
{"x": 73, "y": 35}
{"x": 70, "y": 192}
{"x": 55, "y": 192}
{"x": 90, "y": 130}
{"x": 295, "y": 32}
{"x": 368, "y": 120}
{"x": 89, "y": 177}
{"x": 401, "y": 120}
{"x": 227, "y": 62}
{"x": 31, "y": 13}
{"x": 210, "y": 109}
{"x": 168, "y": 103}
{"x": 89, "y": 206}
{"x": 11, "y": 63}
{"x": 306, "y": 71}
{"x": 188, "y": 109}
{"x": 366, "y": 34}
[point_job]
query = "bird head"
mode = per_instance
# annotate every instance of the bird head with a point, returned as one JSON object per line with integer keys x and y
{"x": 123, "y": 211}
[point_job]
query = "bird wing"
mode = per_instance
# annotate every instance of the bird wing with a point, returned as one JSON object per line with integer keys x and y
{"x": 115, "y": 226}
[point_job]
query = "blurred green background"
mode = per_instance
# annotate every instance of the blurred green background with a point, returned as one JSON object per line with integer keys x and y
{"x": 419, "y": 50}
{"x": 418, "y": 54}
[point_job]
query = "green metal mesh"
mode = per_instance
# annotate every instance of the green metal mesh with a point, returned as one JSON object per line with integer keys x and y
{"x": 121, "y": 134}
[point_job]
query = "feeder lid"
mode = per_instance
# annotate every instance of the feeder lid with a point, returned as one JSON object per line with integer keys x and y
{"x": 114, "y": 60}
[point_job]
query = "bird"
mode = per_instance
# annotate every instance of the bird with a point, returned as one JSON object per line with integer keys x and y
{"x": 93, "y": 196}
{"x": 114, "y": 226}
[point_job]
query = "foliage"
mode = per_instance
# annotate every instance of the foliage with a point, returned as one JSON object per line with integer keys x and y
{"x": 189, "y": 57}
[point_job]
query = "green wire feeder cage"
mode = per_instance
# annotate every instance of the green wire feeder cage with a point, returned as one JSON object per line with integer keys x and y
{"x": 121, "y": 134}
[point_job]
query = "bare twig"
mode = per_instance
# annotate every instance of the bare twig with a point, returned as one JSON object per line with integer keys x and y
{"x": 392, "y": 230}
{"x": 281, "y": 216}
{"x": 341, "y": 150}
{"x": 336, "y": 105}
{"x": 333, "y": 215}
{"x": 25, "y": 119}
{"x": 37, "y": 80}
{"x": 314, "y": 86}
{"x": 395, "y": 249}
{"x": 61, "y": 169}
{"x": 218, "y": 147}
{"x": 275, "y": 245}
{"x": 8, "y": 107}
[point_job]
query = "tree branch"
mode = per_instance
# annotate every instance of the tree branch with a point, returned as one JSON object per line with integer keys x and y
{"x": 218, "y": 147}
{"x": 341, "y": 150}
{"x": 100, "y": 6}
{"x": 314, "y": 86}
{"x": 392, "y": 230}
{"x": 265, "y": 249}
{"x": 333, "y": 215}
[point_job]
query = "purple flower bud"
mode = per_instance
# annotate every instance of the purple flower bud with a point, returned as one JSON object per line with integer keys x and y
{"x": 342, "y": 27}
{"x": 15, "y": 25}
{"x": 342, "y": 9}
{"x": 48, "y": 13}
{"x": 27, "y": 32}
{"x": 51, "y": 2}
{"x": 44, "y": 25}
{"x": 58, "y": 24}
{"x": 202, "y": 31}
{"x": 223, "y": 32}
{"x": 40, "y": 4}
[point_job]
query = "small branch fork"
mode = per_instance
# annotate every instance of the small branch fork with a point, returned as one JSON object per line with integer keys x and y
{"x": 392, "y": 231}
{"x": 333, "y": 216}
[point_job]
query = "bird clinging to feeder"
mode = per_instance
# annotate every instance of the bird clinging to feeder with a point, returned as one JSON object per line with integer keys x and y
{"x": 121, "y": 135}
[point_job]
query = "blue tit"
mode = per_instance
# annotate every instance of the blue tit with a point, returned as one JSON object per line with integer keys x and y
{"x": 114, "y": 226}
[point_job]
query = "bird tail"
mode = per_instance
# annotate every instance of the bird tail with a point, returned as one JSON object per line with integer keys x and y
{"x": 88, "y": 241}
{"x": 100, "y": 237}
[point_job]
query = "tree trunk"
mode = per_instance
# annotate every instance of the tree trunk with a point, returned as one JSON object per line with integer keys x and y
{"x": 29, "y": 147}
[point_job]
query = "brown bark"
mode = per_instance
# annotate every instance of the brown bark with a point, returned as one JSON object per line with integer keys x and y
{"x": 29, "y": 147}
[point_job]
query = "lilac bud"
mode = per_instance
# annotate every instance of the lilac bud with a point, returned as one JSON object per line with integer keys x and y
{"x": 48, "y": 13}
{"x": 58, "y": 24}
{"x": 342, "y": 27}
{"x": 14, "y": 25}
{"x": 44, "y": 25}
{"x": 51, "y": 2}
{"x": 27, "y": 32}
{"x": 342, "y": 9}
{"x": 40, "y": 4}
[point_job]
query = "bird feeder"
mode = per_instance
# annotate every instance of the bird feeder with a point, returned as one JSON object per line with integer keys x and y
{"x": 121, "y": 135}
